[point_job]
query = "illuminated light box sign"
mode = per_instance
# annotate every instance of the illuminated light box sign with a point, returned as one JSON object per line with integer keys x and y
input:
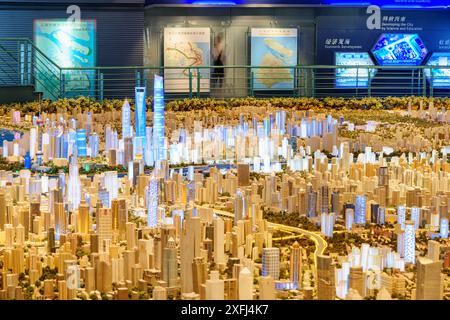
{"x": 439, "y": 77}
{"x": 399, "y": 49}
{"x": 69, "y": 45}
{"x": 186, "y": 48}
{"x": 273, "y": 47}
{"x": 353, "y": 77}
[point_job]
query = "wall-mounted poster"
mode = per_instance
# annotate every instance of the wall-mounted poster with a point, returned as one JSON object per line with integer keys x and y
{"x": 70, "y": 45}
{"x": 273, "y": 47}
{"x": 441, "y": 76}
{"x": 353, "y": 77}
{"x": 186, "y": 49}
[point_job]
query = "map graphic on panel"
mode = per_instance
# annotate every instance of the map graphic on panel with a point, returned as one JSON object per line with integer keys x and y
{"x": 69, "y": 45}
{"x": 186, "y": 48}
{"x": 273, "y": 47}
{"x": 399, "y": 49}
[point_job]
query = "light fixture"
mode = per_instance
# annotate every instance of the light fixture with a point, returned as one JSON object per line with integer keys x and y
{"x": 214, "y": 3}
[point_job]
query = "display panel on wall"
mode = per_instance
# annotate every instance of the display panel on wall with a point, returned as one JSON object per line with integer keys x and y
{"x": 353, "y": 77}
{"x": 399, "y": 49}
{"x": 273, "y": 47}
{"x": 440, "y": 77}
{"x": 70, "y": 45}
{"x": 186, "y": 49}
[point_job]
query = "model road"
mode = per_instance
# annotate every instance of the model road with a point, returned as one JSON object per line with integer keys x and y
{"x": 319, "y": 241}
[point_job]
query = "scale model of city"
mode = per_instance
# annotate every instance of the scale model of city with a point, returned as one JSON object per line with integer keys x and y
{"x": 249, "y": 203}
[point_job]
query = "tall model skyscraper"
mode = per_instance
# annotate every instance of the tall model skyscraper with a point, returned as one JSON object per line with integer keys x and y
{"x": 73, "y": 185}
{"x": 415, "y": 216}
{"x": 239, "y": 206}
{"x": 326, "y": 289}
{"x": 120, "y": 215}
{"x": 126, "y": 120}
{"x": 158, "y": 118}
{"x": 383, "y": 185}
{"x": 324, "y": 191}
{"x": 360, "y": 209}
{"x": 356, "y": 280}
{"x": 104, "y": 226}
{"x": 410, "y": 242}
{"x": 140, "y": 111}
{"x": 152, "y": 202}
{"x": 349, "y": 218}
{"x": 190, "y": 242}
{"x": 219, "y": 255}
{"x": 81, "y": 143}
{"x": 140, "y": 122}
{"x": 444, "y": 228}
{"x": 296, "y": 264}
{"x": 401, "y": 215}
{"x": 327, "y": 224}
{"x": 170, "y": 267}
{"x": 271, "y": 262}
{"x": 429, "y": 286}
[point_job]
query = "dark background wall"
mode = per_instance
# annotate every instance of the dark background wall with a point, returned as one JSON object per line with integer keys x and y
{"x": 130, "y": 35}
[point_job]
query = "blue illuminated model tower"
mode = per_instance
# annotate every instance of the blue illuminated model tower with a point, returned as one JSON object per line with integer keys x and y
{"x": 158, "y": 119}
{"x": 81, "y": 143}
{"x": 444, "y": 228}
{"x": 360, "y": 209}
{"x": 27, "y": 161}
{"x": 140, "y": 112}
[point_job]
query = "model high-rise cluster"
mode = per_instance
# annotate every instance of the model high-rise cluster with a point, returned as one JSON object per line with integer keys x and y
{"x": 245, "y": 203}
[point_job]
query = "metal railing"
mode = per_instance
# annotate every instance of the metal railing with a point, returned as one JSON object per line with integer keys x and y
{"x": 22, "y": 64}
{"x": 262, "y": 81}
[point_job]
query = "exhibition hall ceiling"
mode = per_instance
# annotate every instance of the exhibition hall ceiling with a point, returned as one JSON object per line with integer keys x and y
{"x": 114, "y": 2}
{"x": 439, "y": 4}
{"x": 383, "y": 3}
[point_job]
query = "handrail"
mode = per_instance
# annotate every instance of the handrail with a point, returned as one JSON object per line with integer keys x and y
{"x": 39, "y": 68}
{"x": 34, "y": 47}
{"x": 239, "y": 80}
{"x": 254, "y": 67}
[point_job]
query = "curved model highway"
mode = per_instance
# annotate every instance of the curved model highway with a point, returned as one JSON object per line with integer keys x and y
{"x": 319, "y": 241}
